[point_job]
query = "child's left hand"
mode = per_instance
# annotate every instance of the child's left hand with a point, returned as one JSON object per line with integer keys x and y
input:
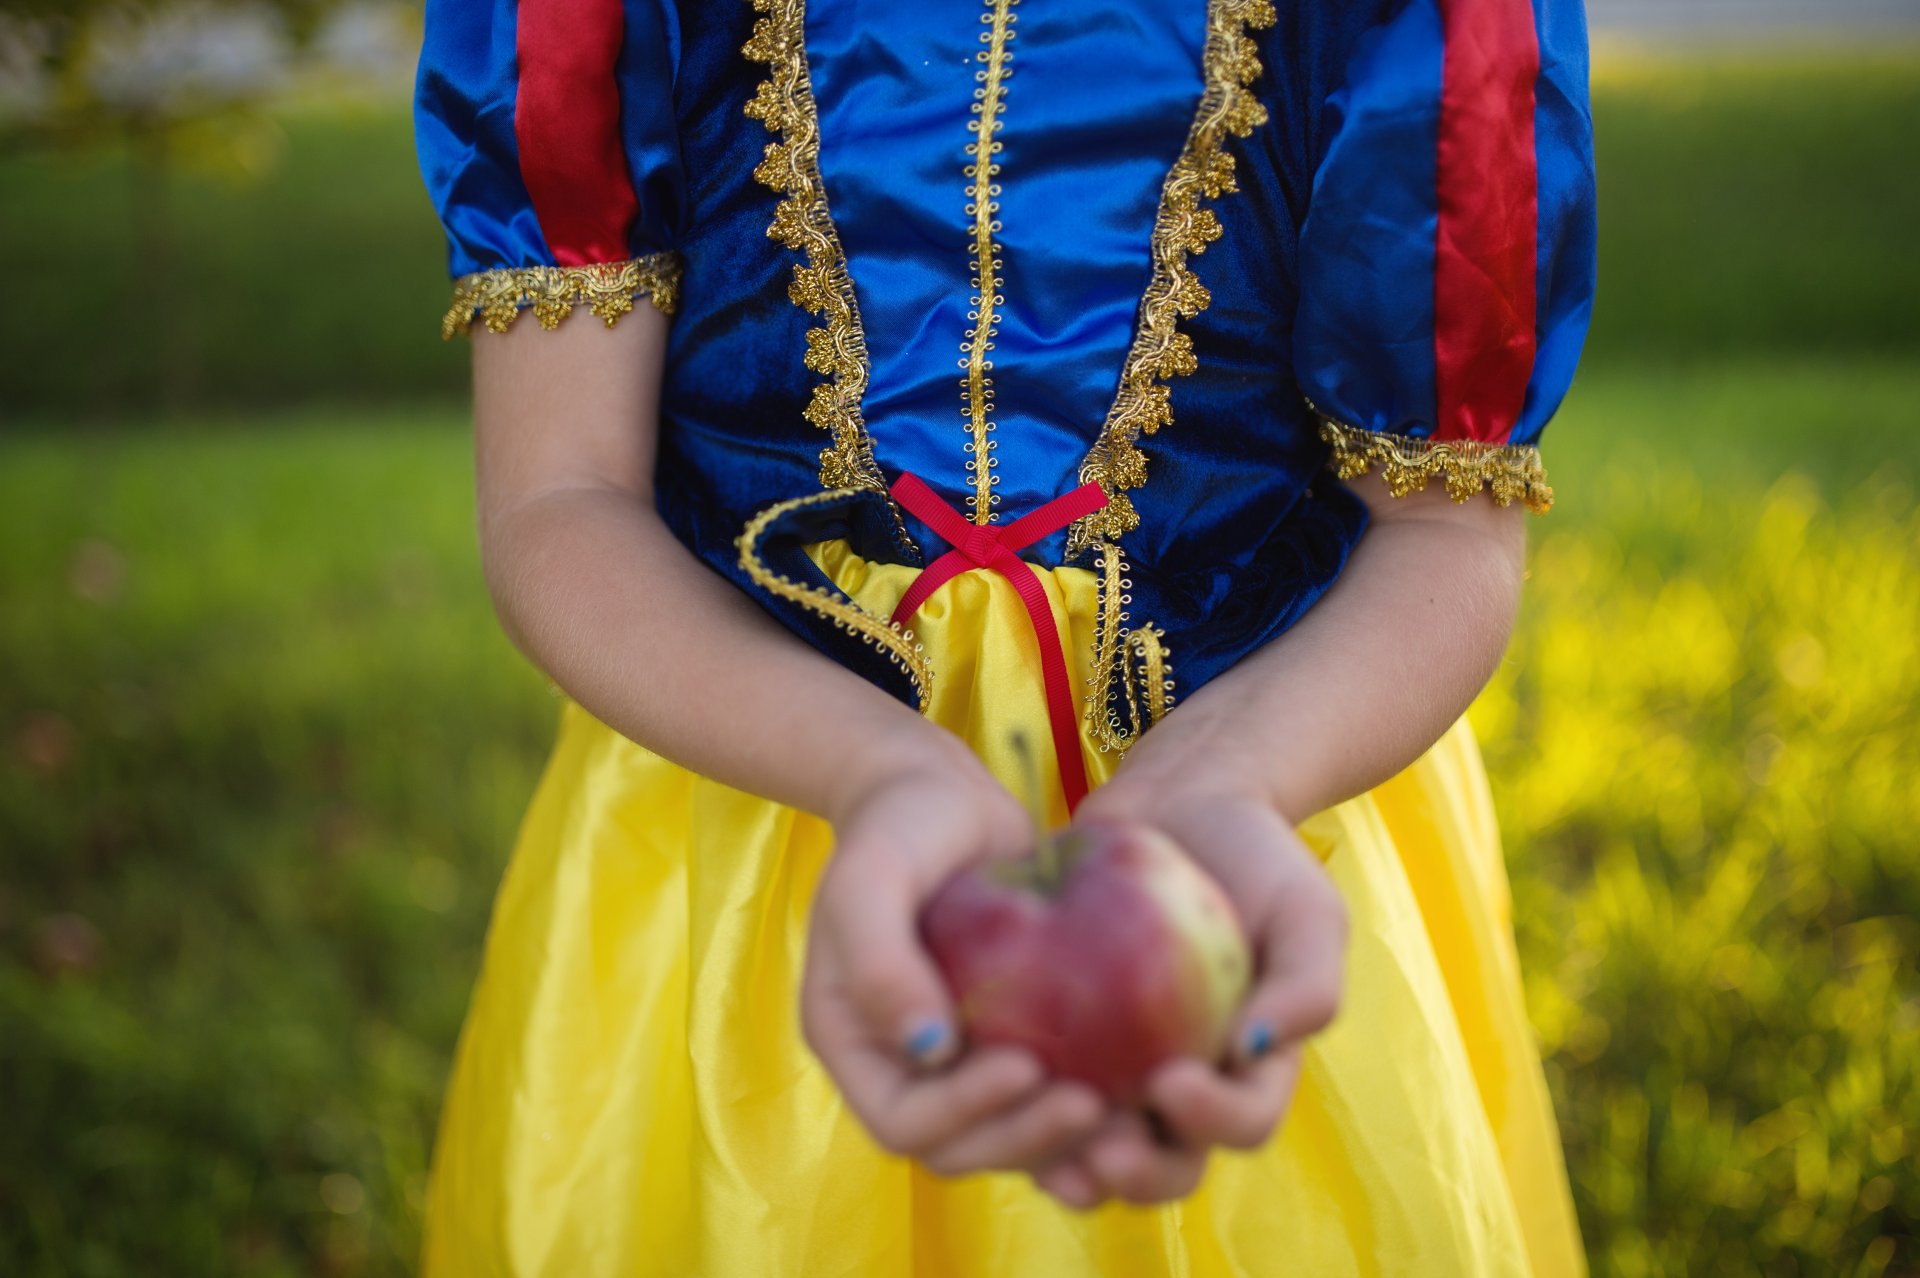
{"x": 1296, "y": 923}
{"x": 874, "y": 1008}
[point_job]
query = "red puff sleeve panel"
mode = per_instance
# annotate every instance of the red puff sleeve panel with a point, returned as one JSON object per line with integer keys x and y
{"x": 548, "y": 139}
{"x": 1447, "y": 253}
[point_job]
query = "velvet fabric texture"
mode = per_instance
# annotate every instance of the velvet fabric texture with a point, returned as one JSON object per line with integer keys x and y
{"x": 1322, "y": 283}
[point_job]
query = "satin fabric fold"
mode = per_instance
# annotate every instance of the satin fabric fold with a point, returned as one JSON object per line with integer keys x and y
{"x": 631, "y": 1095}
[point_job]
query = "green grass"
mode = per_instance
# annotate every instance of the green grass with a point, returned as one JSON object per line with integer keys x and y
{"x": 1753, "y": 204}
{"x": 263, "y": 735}
{"x": 1739, "y": 423}
{"x": 322, "y": 278}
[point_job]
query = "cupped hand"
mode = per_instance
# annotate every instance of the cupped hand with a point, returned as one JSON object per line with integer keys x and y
{"x": 874, "y": 1008}
{"x": 1296, "y": 924}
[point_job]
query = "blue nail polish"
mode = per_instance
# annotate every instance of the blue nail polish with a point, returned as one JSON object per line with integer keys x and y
{"x": 1259, "y": 1039}
{"x": 926, "y": 1040}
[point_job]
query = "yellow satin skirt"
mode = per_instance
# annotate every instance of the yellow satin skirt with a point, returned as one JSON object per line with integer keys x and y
{"x": 631, "y": 1095}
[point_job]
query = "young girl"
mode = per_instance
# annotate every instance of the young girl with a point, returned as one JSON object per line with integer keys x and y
{"x": 1021, "y": 360}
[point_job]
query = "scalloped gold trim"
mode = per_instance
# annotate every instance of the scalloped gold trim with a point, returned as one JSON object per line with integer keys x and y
{"x": 784, "y": 104}
{"x": 1137, "y": 659}
{"x": 976, "y": 388}
{"x": 1511, "y": 472}
{"x": 608, "y": 289}
{"x": 1181, "y": 228}
{"x": 896, "y": 643}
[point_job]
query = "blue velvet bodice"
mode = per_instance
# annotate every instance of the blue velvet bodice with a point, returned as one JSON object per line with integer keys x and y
{"x": 1286, "y": 278}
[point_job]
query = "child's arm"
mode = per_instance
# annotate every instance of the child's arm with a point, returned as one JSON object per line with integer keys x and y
{"x": 1358, "y": 690}
{"x": 598, "y": 592}
{"x": 1371, "y": 677}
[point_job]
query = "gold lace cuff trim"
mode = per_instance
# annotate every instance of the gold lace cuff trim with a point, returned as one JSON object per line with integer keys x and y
{"x": 608, "y": 289}
{"x": 1511, "y": 472}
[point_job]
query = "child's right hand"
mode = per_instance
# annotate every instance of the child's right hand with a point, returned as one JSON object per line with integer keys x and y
{"x": 874, "y": 1008}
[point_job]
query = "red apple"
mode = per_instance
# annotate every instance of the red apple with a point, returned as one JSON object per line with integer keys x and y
{"x": 1106, "y": 953}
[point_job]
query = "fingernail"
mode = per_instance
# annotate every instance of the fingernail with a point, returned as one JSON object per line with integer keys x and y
{"x": 926, "y": 1040}
{"x": 1259, "y": 1040}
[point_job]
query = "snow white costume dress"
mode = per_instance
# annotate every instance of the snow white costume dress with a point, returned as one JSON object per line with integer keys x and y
{"x": 1016, "y": 349}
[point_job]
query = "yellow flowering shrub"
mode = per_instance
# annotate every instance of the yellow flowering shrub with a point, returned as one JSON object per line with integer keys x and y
{"x": 1704, "y": 753}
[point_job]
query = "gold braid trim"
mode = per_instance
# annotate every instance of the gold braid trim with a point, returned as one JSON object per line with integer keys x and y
{"x": 1511, "y": 472}
{"x": 897, "y": 644}
{"x": 1137, "y": 658}
{"x": 976, "y": 388}
{"x": 1181, "y": 228}
{"x": 607, "y": 288}
{"x": 821, "y": 286}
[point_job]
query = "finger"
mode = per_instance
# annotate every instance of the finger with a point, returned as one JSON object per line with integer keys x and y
{"x": 879, "y": 1085}
{"x": 1130, "y": 1164}
{"x": 879, "y": 966}
{"x": 914, "y": 1115}
{"x": 1302, "y": 953}
{"x": 931, "y": 1113}
{"x": 1072, "y": 1184}
{"x": 1036, "y": 1133}
{"x": 1204, "y": 1107}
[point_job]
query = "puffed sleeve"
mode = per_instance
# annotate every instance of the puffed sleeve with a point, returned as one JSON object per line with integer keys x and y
{"x": 547, "y": 138}
{"x": 1447, "y": 254}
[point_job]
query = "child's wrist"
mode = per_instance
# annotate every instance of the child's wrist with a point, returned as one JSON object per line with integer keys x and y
{"x": 1222, "y": 758}
{"x": 1198, "y": 761}
{"x": 898, "y": 755}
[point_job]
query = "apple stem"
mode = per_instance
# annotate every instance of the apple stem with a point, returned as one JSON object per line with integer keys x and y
{"x": 1045, "y": 852}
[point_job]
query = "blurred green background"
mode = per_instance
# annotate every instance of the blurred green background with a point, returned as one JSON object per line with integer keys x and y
{"x": 263, "y": 749}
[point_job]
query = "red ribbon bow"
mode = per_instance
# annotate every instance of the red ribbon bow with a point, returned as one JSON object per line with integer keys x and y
{"x": 994, "y": 546}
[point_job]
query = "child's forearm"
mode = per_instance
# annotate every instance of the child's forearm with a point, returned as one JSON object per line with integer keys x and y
{"x": 596, "y": 590}
{"x": 602, "y": 597}
{"x": 1370, "y": 678}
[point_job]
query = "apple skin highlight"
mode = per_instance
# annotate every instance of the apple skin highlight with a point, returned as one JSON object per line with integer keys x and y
{"x": 1106, "y": 953}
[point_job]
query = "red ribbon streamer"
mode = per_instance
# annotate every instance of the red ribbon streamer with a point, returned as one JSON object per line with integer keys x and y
{"x": 994, "y": 546}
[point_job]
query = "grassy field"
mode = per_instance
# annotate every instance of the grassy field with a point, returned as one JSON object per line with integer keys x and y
{"x": 321, "y": 278}
{"x": 263, "y": 748}
{"x": 1753, "y": 204}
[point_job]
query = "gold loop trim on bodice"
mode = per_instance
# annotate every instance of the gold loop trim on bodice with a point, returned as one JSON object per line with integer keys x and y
{"x": 895, "y": 642}
{"x": 976, "y": 388}
{"x": 1133, "y": 662}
